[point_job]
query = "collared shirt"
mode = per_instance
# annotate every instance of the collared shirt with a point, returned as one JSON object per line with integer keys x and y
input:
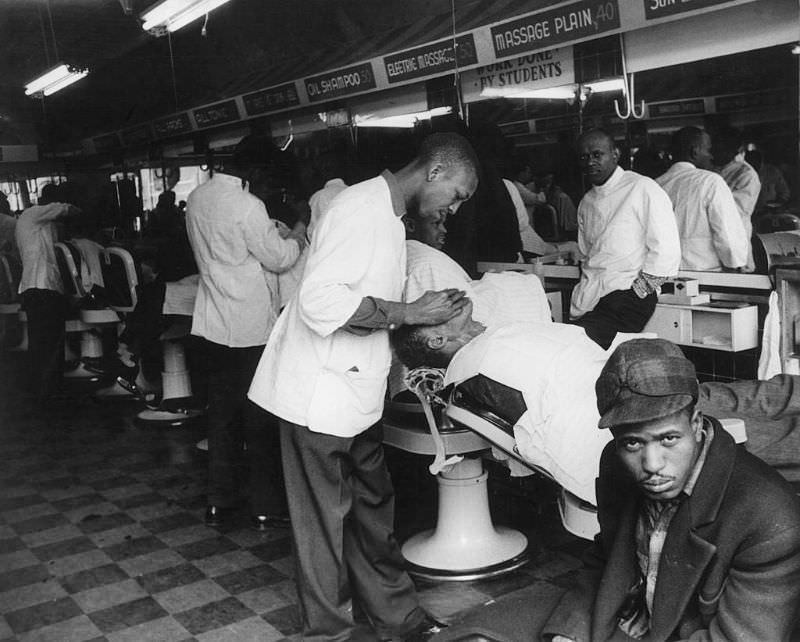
{"x": 652, "y": 527}
{"x": 709, "y": 225}
{"x": 36, "y": 236}
{"x": 313, "y": 371}
{"x": 321, "y": 200}
{"x": 745, "y": 185}
{"x": 555, "y": 367}
{"x": 531, "y": 241}
{"x": 625, "y": 226}
{"x": 239, "y": 252}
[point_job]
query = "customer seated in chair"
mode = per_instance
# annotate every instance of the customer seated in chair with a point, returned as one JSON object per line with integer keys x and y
{"x": 539, "y": 377}
{"x": 699, "y": 539}
{"x": 498, "y": 298}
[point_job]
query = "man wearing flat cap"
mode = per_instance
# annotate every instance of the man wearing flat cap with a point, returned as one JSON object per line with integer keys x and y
{"x": 699, "y": 540}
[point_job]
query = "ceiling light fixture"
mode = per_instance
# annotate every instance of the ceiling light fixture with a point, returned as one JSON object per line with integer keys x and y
{"x": 796, "y": 49}
{"x": 562, "y": 92}
{"x": 174, "y": 14}
{"x": 54, "y": 80}
{"x": 403, "y": 121}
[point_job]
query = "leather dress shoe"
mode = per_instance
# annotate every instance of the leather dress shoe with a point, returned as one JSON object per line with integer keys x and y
{"x": 420, "y": 633}
{"x": 218, "y": 515}
{"x": 265, "y": 522}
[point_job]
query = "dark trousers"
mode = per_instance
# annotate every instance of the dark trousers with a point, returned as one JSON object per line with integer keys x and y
{"x": 47, "y": 314}
{"x": 232, "y": 420}
{"x": 341, "y": 502}
{"x": 618, "y": 311}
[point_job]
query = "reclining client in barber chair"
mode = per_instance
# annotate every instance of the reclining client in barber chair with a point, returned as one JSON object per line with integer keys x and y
{"x": 538, "y": 377}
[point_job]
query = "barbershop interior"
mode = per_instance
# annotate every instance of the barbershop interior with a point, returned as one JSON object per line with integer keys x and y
{"x": 169, "y": 170}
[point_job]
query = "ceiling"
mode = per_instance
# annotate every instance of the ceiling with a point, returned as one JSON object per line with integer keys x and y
{"x": 250, "y": 44}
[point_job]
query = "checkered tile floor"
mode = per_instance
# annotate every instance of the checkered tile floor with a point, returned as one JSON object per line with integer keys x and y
{"x": 102, "y": 537}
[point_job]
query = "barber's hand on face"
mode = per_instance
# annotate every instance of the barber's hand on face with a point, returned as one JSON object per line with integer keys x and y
{"x": 433, "y": 308}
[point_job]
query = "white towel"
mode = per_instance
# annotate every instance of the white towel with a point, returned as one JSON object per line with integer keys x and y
{"x": 769, "y": 362}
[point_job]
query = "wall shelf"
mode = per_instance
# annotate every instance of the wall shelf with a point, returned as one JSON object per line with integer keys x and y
{"x": 729, "y": 327}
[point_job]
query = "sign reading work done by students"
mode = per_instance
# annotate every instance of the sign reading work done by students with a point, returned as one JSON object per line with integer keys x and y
{"x": 541, "y": 70}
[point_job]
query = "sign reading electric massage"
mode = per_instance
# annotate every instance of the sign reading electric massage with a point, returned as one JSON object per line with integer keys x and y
{"x": 434, "y": 58}
{"x": 343, "y": 82}
{"x": 583, "y": 19}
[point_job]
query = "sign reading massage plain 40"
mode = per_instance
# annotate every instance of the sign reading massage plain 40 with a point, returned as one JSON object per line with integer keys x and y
{"x": 541, "y": 70}
{"x": 576, "y": 21}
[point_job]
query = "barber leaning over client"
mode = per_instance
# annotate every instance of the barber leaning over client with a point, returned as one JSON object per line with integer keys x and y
{"x": 323, "y": 373}
{"x": 628, "y": 237}
{"x": 699, "y": 540}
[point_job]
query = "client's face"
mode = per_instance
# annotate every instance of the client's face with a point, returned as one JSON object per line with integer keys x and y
{"x": 430, "y": 228}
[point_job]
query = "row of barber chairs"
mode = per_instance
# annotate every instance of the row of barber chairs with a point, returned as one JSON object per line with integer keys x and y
{"x": 90, "y": 322}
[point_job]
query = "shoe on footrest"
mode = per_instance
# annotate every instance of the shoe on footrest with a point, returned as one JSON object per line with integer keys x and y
{"x": 150, "y": 399}
{"x": 219, "y": 515}
{"x": 425, "y": 630}
{"x": 265, "y": 522}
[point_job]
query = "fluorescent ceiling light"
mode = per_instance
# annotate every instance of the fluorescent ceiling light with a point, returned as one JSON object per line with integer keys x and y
{"x": 403, "y": 121}
{"x": 174, "y": 14}
{"x": 599, "y": 86}
{"x": 54, "y": 79}
{"x": 556, "y": 93}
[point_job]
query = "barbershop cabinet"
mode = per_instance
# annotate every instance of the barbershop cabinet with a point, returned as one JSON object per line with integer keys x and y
{"x": 723, "y": 326}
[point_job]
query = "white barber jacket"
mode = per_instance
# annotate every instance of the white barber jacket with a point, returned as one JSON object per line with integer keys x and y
{"x": 555, "y": 367}
{"x": 625, "y": 226}
{"x": 36, "y": 236}
{"x": 709, "y": 225}
{"x": 314, "y": 373}
{"x": 239, "y": 252}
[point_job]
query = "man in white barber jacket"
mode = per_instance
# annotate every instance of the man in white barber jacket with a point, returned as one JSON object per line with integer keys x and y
{"x": 323, "y": 373}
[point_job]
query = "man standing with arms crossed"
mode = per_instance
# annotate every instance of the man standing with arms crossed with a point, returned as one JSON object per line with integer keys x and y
{"x": 323, "y": 373}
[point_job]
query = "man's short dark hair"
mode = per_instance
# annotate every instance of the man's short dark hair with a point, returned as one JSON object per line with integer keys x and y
{"x": 684, "y": 140}
{"x": 597, "y": 131}
{"x": 50, "y": 194}
{"x": 728, "y": 142}
{"x": 254, "y": 152}
{"x": 410, "y": 346}
{"x": 449, "y": 149}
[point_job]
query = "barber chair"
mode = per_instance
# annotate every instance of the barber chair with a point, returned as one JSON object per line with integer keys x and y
{"x": 782, "y": 222}
{"x": 178, "y": 405}
{"x": 13, "y": 331}
{"x": 120, "y": 279}
{"x": 88, "y": 322}
{"x": 465, "y": 544}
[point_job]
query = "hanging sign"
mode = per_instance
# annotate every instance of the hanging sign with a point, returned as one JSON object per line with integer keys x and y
{"x": 582, "y": 19}
{"x": 173, "y": 125}
{"x": 343, "y": 82}
{"x": 137, "y": 135}
{"x": 272, "y": 99}
{"x": 106, "y": 142}
{"x": 224, "y": 112}
{"x": 677, "y": 108}
{"x": 435, "y": 58}
{"x": 660, "y": 8}
{"x": 541, "y": 70}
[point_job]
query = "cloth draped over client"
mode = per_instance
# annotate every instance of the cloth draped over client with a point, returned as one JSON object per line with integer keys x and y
{"x": 540, "y": 377}
{"x": 498, "y": 298}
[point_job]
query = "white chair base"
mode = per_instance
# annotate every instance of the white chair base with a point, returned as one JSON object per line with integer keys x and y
{"x": 168, "y": 419}
{"x": 465, "y": 544}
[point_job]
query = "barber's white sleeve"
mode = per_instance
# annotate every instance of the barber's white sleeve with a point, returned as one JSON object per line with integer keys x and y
{"x": 661, "y": 234}
{"x": 338, "y": 261}
{"x": 264, "y": 241}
